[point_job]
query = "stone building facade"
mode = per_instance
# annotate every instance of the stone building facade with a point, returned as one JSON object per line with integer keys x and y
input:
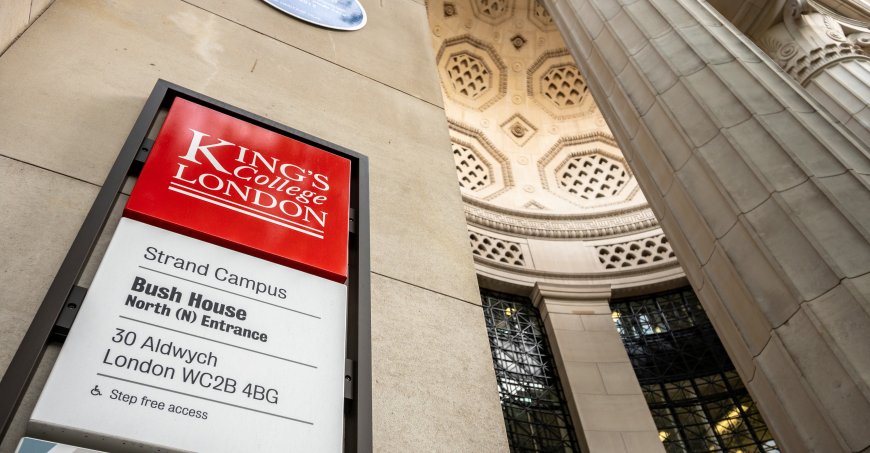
{"x": 604, "y": 149}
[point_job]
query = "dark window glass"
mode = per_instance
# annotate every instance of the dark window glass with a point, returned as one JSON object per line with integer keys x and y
{"x": 697, "y": 400}
{"x": 535, "y": 414}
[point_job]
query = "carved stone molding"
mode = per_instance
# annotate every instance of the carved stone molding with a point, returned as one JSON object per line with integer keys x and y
{"x": 519, "y": 129}
{"x": 549, "y": 225}
{"x": 806, "y": 42}
{"x": 861, "y": 40}
{"x": 449, "y": 9}
{"x": 592, "y": 137}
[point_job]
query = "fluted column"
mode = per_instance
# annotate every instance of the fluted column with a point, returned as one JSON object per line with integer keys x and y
{"x": 604, "y": 396}
{"x": 764, "y": 200}
{"x": 814, "y": 50}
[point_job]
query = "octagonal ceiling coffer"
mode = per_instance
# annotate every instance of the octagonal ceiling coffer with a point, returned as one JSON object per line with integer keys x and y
{"x": 472, "y": 74}
{"x": 588, "y": 171}
{"x": 557, "y": 86}
{"x": 483, "y": 171}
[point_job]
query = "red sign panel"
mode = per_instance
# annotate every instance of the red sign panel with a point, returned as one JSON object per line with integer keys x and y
{"x": 229, "y": 182}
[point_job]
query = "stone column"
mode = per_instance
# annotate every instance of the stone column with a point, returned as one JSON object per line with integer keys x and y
{"x": 814, "y": 50}
{"x": 763, "y": 199}
{"x": 608, "y": 408}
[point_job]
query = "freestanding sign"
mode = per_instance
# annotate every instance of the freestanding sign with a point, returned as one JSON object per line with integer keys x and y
{"x": 216, "y": 321}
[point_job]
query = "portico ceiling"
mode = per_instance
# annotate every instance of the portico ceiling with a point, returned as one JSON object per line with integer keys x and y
{"x": 547, "y": 191}
{"x": 528, "y": 139}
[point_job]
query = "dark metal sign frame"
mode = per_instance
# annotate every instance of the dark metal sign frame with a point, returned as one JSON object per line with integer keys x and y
{"x": 63, "y": 297}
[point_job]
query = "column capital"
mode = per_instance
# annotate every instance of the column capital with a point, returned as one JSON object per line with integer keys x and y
{"x": 807, "y": 41}
{"x": 570, "y": 292}
{"x": 567, "y": 298}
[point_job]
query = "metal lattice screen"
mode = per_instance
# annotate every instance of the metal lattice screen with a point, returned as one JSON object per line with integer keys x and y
{"x": 698, "y": 401}
{"x": 536, "y": 417}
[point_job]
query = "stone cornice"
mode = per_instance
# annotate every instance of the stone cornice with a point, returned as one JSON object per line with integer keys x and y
{"x": 546, "y": 225}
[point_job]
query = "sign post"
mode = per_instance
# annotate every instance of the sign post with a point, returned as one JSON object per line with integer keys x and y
{"x": 219, "y": 319}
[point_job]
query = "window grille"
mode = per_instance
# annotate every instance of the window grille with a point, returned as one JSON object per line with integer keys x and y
{"x": 698, "y": 402}
{"x": 535, "y": 413}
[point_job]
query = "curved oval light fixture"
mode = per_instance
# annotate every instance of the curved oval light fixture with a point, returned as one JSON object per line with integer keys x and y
{"x": 345, "y": 15}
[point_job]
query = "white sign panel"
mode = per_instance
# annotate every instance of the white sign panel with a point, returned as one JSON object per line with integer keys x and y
{"x": 187, "y": 346}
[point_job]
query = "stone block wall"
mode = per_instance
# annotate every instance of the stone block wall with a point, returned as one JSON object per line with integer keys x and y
{"x": 74, "y": 82}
